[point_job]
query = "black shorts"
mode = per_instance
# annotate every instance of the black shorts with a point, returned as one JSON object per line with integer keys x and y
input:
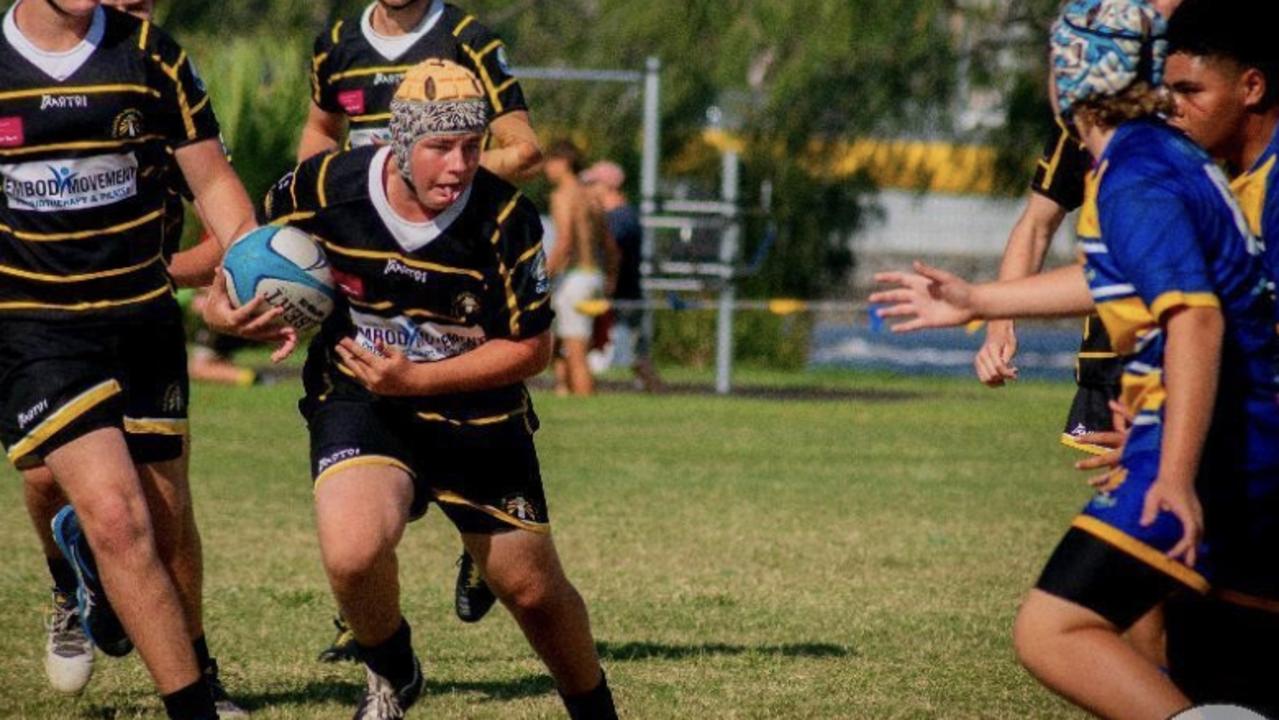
{"x": 485, "y": 478}
{"x": 59, "y": 382}
{"x": 1092, "y": 573}
{"x": 1090, "y": 412}
{"x": 1223, "y": 653}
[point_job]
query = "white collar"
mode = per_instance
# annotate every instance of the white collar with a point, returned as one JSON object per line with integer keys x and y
{"x": 57, "y": 65}
{"x": 392, "y": 47}
{"x": 411, "y": 236}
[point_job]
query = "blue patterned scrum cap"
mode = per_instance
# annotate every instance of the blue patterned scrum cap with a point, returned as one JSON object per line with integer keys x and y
{"x": 1102, "y": 47}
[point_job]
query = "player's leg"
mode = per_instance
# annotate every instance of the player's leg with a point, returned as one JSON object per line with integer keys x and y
{"x": 1069, "y": 631}
{"x": 98, "y": 476}
{"x": 361, "y": 513}
{"x": 524, "y": 571}
{"x": 1221, "y": 652}
{"x": 68, "y": 653}
{"x": 577, "y": 371}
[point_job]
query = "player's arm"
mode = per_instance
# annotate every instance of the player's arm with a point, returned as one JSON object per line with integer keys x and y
{"x": 517, "y": 155}
{"x": 1023, "y": 256}
{"x": 1192, "y": 364}
{"x": 496, "y": 363}
{"x": 934, "y": 298}
{"x": 196, "y": 266}
{"x": 215, "y": 184}
{"x": 322, "y": 133}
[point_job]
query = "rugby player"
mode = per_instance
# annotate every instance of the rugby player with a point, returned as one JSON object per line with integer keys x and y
{"x": 95, "y": 107}
{"x": 356, "y": 67}
{"x": 414, "y": 386}
{"x": 1174, "y": 273}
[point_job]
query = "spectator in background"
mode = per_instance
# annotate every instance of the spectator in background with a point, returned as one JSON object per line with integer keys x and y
{"x": 584, "y": 260}
{"x": 604, "y": 180}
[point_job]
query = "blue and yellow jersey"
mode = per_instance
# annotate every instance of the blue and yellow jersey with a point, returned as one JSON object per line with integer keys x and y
{"x": 1258, "y": 193}
{"x": 1161, "y": 231}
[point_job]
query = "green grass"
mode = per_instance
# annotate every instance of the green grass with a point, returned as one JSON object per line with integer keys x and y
{"x": 860, "y": 557}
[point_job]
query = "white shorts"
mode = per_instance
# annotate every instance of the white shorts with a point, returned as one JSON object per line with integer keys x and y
{"x": 575, "y": 287}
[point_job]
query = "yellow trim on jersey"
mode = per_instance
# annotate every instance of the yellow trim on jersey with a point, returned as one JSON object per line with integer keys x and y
{"x": 512, "y": 303}
{"x": 1176, "y": 298}
{"x": 1050, "y": 169}
{"x": 87, "y": 306}
{"x": 337, "y": 30}
{"x": 184, "y": 106}
{"x": 376, "y": 117}
{"x": 1126, "y": 318}
{"x": 144, "y": 34}
{"x": 64, "y": 416}
{"x": 410, "y": 312}
{"x": 1073, "y": 443}
{"x": 457, "y": 31}
{"x": 82, "y": 145}
{"x": 45, "y": 277}
{"x": 286, "y": 219}
{"x": 475, "y": 422}
{"x": 452, "y": 498}
{"x": 172, "y": 427}
{"x": 506, "y": 85}
{"x": 359, "y": 461}
{"x": 478, "y": 59}
{"x": 1089, "y": 218}
{"x": 420, "y": 264}
{"x": 528, "y": 255}
{"x": 319, "y": 182}
{"x": 200, "y": 105}
{"x": 1141, "y": 551}
{"x": 1097, "y": 355}
{"x": 83, "y": 234}
{"x": 537, "y": 303}
{"x": 1250, "y": 189}
{"x": 360, "y": 72}
{"x": 79, "y": 90}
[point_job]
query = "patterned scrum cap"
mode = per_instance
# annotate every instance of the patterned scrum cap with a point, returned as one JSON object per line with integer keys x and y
{"x": 1101, "y": 47}
{"x": 436, "y": 97}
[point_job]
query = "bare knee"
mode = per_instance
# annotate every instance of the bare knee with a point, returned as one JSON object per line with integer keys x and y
{"x": 532, "y": 592}
{"x": 116, "y": 526}
{"x": 349, "y": 564}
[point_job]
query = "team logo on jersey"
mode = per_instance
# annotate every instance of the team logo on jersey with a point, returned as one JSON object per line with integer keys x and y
{"x": 520, "y": 508}
{"x": 64, "y": 102}
{"x": 127, "y": 125}
{"x": 395, "y": 267}
{"x": 541, "y": 277}
{"x": 502, "y": 60}
{"x": 11, "y": 132}
{"x": 74, "y": 184}
{"x": 352, "y": 101}
{"x": 466, "y": 305}
{"x": 174, "y": 401}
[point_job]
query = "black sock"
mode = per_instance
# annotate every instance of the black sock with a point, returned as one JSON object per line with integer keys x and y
{"x": 63, "y": 575}
{"x": 393, "y": 659}
{"x": 594, "y": 705}
{"x": 193, "y": 702}
{"x": 202, "y": 656}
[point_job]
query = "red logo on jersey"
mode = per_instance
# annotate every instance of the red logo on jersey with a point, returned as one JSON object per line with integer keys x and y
{"x": 11, "y": 133}
{"x": 352, "y": 285}
{"x": 352, "y": 101}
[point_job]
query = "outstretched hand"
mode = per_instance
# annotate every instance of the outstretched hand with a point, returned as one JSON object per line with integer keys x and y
{"x": 929, "y": 297}
{"x": 249, "y": 320}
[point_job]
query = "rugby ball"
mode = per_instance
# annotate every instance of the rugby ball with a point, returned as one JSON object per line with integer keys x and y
{"x": 288, "y": 267}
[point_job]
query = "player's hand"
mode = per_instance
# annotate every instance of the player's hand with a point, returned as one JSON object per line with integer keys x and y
{"x": 1115, "y": 440}
{"x": 1178, "y": 498}
{"x": 387, "y": 372}
{"x": 930, "y": 297}
{"x": 250, "y": 320}
{"x": 994, "y": 360}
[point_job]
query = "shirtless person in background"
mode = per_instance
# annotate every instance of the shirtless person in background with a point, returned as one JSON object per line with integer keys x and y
{"x": 585, "y": 262}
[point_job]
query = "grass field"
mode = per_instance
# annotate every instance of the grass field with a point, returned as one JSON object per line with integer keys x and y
{"x": 859, "y": 556}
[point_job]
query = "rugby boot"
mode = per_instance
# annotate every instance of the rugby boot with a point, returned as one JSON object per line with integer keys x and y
{"x": 68, "y": 652}
{"x": 343, "y": 648}
{"x": 225, "y": 706}
{"x": 472, "y": 598}
{"x": 383, "y": 701}
{"x": 97, "y": 618}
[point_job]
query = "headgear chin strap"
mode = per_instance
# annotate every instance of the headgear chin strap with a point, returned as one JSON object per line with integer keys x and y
{"x": 437, "y": 97}
{"x": 1102, "y": 47}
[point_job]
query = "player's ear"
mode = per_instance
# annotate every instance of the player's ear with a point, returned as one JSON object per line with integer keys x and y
{"x": 1254, "y": 86}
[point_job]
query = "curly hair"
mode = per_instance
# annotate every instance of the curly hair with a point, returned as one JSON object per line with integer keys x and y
{"x": 1138, "y": 100}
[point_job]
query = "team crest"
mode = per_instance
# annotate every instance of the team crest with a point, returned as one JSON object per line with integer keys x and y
{"x": 466, "y": 305}
{"x": 174, "y": 400}
{"x": 127, "y": 125}
{"x": 519, "y": 507}
{"x": 541, "y": 277}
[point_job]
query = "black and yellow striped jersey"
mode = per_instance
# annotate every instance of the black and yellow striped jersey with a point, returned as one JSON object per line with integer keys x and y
{"x": 432, "y": 291}
{"x": 86, "y": 162}
{"x": 354, "y": 71}
{"x": 1062, "y": 170}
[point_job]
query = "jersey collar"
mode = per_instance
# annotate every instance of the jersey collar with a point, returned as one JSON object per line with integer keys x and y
{"x": 59, "y": 65}
{"x": 392, "y": 47}
{"x": 411, "y": 236}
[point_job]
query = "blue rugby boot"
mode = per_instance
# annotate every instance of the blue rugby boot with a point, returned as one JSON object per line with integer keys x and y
{"x": 96, "y": 616}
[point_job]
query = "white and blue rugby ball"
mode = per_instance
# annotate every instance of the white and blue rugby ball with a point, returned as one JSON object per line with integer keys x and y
{"x": 288, "y": 267}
